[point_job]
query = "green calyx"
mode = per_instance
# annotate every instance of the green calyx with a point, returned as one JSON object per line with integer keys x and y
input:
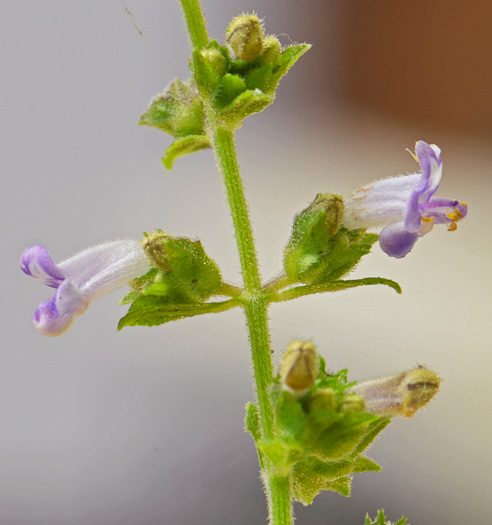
{"x": 186, "y": 261}
{"x": 178, "y": 111}
{"x": 244, "y": 82}
{"x": 230, "y": 82}
{"x": 320, "y": 250}
{"x": 182, "y": 279}
{"x": 320, "y": 437}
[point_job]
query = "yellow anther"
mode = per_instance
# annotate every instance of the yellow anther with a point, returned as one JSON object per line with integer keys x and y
{"x": 428, "y": 219}
{"x": 454, "y": 217}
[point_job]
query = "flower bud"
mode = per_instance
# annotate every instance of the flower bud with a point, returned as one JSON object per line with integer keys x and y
{"x": 271, "y": 49}
{"x": 314, "y": 238}
{"x": 332, "y": 205}
{"x": 299, "y": 367}
{"x": 216, "y": 59}
{"x": 322, "y": 399}
{"x": 154, "y": 246}
{"x": 352, "y": 403}
{"x": 400, "y": 394}
{"x": 245, "y": 37}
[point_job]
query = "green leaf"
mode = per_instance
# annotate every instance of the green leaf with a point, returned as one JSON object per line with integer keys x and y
{"x": 382, "y": 520}
{"x": 259, "y": 78}
{"x": 207, "y": 80}
{"x": 177, "y": 111}
{"x": 287, "y": 59}
{"x": 333, "y": 286}
{"x": 151, "y": 310}
{"x": 289, "y": 414}
{"x": 363, "y": 464}
{"x": 139, "y": 285}
{"x": 283, "y": 453}
{"x": 161, "y": 284}
{"x": 243, "y": 106}
{"x": 345, "y": 250}
{"x": 131, "y": 296}
{"x": 230, "y": 87}
{"x": 366, "y": 281}
{"x": 336, "y": 437}
{"x": 309, "y": 242}
{"x": 320, "y": 436}
{"x": 192, "y": 267}
{"x": 184, "y": 146}
{"x": 312, "y": 239}
{"x": 375, "y": 428}
{"x": 315, "y": 476}
{"x": 252, "y": 421}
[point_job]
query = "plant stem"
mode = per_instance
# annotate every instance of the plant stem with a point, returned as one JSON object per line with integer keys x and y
{"x": 195, "y": 23}
{"x": 256, "y": 309}
{"x": 279, "y": 499}
{"x": 225, "y": 151}
{"x": 255, "y": 306}
{"x": 253, "y": 299}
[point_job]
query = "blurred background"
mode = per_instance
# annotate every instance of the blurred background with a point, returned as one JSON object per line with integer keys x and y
{"x": 145, "y": 426}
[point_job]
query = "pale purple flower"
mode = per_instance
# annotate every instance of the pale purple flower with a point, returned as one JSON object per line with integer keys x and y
{"x": 80, "y": 279}
{"x": 404, "y": 205}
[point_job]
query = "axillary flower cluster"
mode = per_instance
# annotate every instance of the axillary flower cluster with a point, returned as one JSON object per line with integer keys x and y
{"x": 404, "y": 205}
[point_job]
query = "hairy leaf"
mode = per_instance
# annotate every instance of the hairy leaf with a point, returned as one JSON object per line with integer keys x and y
{"x": 151, "y": 310}
{"x": 184, "y": 146}
{"x": 252, "y": 421}
{"x": 382, "y": 520}
{"x": 177, "y": 111}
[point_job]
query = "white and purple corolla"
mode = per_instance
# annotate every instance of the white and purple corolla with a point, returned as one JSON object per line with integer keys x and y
{"x": 404, "y": 205}
{"x": 78, "y": 280}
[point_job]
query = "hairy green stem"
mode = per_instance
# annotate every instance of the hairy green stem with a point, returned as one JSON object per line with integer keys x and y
{"x": 256, "y": 309}
{"x": 279, "y": 499}
{"x": 253, "y": 299}
{"x": 195, "y": 23}
{"x": 225, "y": 151}
{"x": 255, "y": 306}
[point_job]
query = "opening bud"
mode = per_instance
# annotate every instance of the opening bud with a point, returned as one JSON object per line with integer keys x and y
{"x": 352, "y": 403}
{"x": 216, "y": 59}
{"x": 400, "y": 394}
{"x": 245, "y": 37}
{"x": 299, "y": 367}
{"x": 332, "y": 205}
{"x": 154, "y": 245}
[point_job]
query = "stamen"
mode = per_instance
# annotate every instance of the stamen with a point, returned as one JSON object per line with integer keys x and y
{"x": 453, "y": 227}
{"x": 413, "y": 155}
{"x": 428, "y": 219}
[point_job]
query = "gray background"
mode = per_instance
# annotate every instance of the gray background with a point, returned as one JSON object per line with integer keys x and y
{"x": 144, "y": 426}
